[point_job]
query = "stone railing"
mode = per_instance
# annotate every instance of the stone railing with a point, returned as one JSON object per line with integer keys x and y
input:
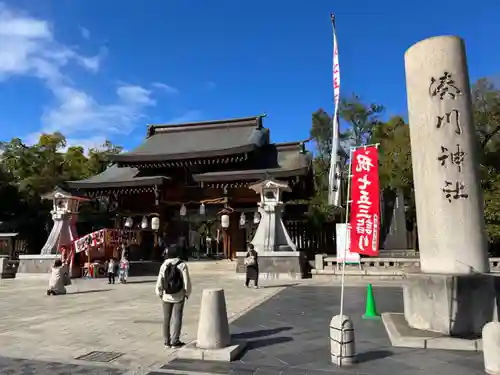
{"x": 376, "y": 267}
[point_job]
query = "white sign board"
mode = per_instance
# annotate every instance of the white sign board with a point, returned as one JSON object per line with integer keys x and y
{"x": 343, "y": 246}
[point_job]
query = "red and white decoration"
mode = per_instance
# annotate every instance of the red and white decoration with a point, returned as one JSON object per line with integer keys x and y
{"x": 365, "y": 206}
{"x": 90, "y": 241}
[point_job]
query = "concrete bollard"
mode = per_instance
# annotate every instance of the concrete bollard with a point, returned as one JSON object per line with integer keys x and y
{"x": 342, "y": 348}
{"x": 213, "y": 326}
{"x": 491, "y": 348}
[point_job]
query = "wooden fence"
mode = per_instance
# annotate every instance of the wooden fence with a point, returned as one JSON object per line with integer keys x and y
{"x": 310, "y": 239}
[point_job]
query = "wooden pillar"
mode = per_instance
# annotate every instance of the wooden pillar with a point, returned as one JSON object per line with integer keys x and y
{"x": 237, "y": 235}
{"x": 226, "y": 243}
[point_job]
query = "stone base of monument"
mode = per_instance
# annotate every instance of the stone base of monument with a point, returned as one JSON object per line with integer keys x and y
{"x": 275, "y": 265}
{"x": 36, "y": 266}
{"x": 454, "y": 305}
{"x": 226, "y": 354}
{"x": 402, "y": 335}
{"x": 213, "y": 341}
{"x": 445, "y": 311}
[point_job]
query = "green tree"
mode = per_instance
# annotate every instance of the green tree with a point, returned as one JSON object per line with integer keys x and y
{"x": 29, "y": 171}
{"x": 321, "y": 134}
{"x": 10, "y": 199}
{"x": 486, "y": 105}
{"x": 395, "y": 169}
{"x": 98, "y": 159}
{"x": 361, "y": 120}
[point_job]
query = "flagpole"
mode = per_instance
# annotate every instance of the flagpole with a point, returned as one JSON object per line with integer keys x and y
{"x": 346, "y": 239}
{"x": 333, "y": 178}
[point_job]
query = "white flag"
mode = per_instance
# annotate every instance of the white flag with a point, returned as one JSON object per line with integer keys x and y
{"x": 334, "y": 174}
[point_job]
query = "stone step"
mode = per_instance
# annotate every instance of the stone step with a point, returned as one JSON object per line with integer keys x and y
{"x": 211, "y": 265}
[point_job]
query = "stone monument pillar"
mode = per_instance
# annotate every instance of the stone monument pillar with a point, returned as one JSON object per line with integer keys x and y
{"x": 448, "y": 196}
{"x": 396, "y": 238}
{"x": 453, "y": 294}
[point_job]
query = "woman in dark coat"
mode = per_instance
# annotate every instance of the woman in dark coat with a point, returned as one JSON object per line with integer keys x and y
{"x": 252, "y": 265}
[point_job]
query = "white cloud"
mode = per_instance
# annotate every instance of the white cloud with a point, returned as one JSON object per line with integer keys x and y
{"x": 78, "y": 112}
{"x": 84, "y": 32}
{"x": 135, "y": 95}
{"x": 29, "y": 48}
{"x": 167, "y": 88}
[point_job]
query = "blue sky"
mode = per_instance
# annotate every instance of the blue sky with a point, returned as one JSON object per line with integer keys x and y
{"x": 97, "y": 69}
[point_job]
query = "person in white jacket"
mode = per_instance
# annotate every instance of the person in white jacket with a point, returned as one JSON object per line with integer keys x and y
{"x": 58, "y": 279}
{"x": 173, "y": 287}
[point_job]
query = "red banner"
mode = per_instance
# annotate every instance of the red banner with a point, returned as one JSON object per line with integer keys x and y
{"x": 365, "y": 198}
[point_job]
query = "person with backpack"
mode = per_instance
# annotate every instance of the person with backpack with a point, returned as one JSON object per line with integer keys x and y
{"x": 173, "y": 287}
{"x": 252, "y": 265}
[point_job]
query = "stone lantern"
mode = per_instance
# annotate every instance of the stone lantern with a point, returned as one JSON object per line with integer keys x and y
{"x": 278, "y": 255}
{"x": 64, "y": 215}
{"x": 271, "y": 234}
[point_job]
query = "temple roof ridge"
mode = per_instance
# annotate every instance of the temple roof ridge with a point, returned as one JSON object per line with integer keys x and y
{"x": 255, "y": 121}
{"x": 209, "y": 139}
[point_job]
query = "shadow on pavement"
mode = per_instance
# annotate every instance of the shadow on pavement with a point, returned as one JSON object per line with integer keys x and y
{"x": 141, "y": 281}
{"x": 373, "y": 355}
{"x": 90, "y": 291}
{"x": 260, "y": 343}
{"x": 259, "y": 333}
{"x": 278, "y": 286}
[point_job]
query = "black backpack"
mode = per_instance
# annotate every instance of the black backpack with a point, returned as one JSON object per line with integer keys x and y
{"x": 173, "y": 281}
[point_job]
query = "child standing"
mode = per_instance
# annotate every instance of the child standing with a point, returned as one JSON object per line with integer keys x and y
{"x": 124, "y": 266}
{"x": 111, "y": 271}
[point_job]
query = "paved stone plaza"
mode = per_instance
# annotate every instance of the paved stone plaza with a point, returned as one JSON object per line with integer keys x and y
{"x": 97, "y": 316}
{"x": 288, "y": 331}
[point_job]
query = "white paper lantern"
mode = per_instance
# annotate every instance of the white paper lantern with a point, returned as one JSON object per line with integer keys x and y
{"x": 155, "y": 223}
{"x": 243, "y": 219}
{"x": 224, "y": 221}
{"x": 129, "y": 222}
{"x": 144, "y": 222}
{"x": 256, "y": 218}
{"x": 183, "y": 211}
{"x": 202, "y": 209}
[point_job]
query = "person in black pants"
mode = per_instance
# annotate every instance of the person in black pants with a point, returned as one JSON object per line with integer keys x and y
{"x": 112, "y": 266}
{"x": 252, "y": 264}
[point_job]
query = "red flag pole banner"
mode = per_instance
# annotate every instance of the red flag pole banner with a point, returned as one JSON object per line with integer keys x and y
{"x": 365, "y": 201}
